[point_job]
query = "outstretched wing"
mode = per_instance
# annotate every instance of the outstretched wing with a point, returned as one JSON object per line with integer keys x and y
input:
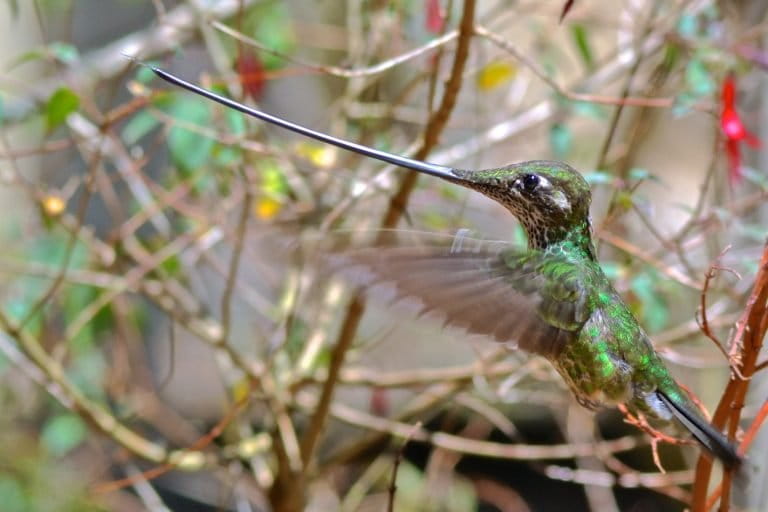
{"x": 488, "y": 288}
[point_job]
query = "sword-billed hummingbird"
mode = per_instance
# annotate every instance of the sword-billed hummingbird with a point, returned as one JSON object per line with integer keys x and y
{"x": 552, "y": 299}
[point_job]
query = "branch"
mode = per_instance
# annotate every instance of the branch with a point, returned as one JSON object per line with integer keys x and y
{"x": 480, "y": 448}
{"x": 341, "y": 71}
{"x": 746, "y": 344}
{"x": 391, "y": 217}
{"x": 177, "y": 26}
{"x": 98, "y": 415}
{"x": 395, "y": 466}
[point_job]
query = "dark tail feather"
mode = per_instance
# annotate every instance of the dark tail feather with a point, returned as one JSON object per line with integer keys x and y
{"x": 712, "y": 440}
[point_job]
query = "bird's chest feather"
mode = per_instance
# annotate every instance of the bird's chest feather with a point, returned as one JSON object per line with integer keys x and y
{"x": 604, "y": 360}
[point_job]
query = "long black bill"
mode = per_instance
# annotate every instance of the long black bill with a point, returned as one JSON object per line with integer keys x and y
{"x": 440, "y": 171}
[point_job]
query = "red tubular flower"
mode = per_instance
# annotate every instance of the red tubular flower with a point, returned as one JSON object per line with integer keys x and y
{"x": 734, "y": 130}
{"x": 435, "y": 17}
{"x": 251, "y": 72}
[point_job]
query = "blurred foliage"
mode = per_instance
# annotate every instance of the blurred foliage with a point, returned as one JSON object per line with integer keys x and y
{"x": 121, "y": 231}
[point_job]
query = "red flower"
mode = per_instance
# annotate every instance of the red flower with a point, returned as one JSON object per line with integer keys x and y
{"x": 734, "y": 130}
{"x": 435, "y": 17}
{"x": 251, "y": 72}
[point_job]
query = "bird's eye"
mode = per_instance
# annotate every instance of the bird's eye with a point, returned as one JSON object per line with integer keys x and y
{"x": 530, "y": 182}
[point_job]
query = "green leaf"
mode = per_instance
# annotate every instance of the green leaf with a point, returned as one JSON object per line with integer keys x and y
{"x": 12, "y": 494}
{"x": 625, "y": 199}
{"x": 671, "y": 55}
{"x": 172, "y": 266}
{"x": 87, "y": 372}
{"x": 654, "y": 310}
{"x": 270, "y": 24}
{"x": 435, "y": 221}
{"x": 611, "y": 269}
{"x": 62, "y": 433}
{"x": 273, "y": 181}
{"x": 588, "y": 110}
{"x": 64, "y": 52}
{"x": 752, "y": 175}
{"x": 698, "y": 78}
{"x": 189, "y": 149}
{"x": 28, "y": 56}
{"x": 519, "y": 237}
{"x": 684, "y": 102}
{"x": 755, "y": 232}
{"x": 451, "y": 192}
{"x": 581, "y": 38}
{"x": 61, "y": 103}
{"x": 138, "y": 126}
{"x": 688, "y": 26}
{"x": 598, "y": 178}
{"x": 13, "y": 5}
{"x": 56, "y": 6}
{"x": 236, "y": 122}
{"x": 5, "y": 363}
{"x": 75, "y": 298}
{"x": 639, "y": 174}
{"x": 560, "y": 140}
{"x": 227, "y": 156}
{"x": 458, "y": 496}
{"x": 144, "y": 75}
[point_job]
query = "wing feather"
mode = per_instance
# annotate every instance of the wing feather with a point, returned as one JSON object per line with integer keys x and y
{"x": 489, "y": 288}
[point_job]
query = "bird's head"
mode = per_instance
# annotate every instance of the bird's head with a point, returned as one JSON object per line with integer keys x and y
{"x": 551, "y": 199}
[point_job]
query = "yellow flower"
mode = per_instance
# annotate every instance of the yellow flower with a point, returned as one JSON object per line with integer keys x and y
{"x": 53, "y": 205}
{"x": 494, "y": 74}
{"x": 267, "y": 208}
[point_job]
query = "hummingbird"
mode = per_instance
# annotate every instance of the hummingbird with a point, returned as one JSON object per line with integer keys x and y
{"x": 551, "y": 298}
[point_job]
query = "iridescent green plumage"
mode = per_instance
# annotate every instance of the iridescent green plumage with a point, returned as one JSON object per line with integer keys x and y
{"x": 552, "y": 299}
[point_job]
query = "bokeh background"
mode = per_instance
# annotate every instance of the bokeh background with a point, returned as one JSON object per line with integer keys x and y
{"x": 166, "y": 342}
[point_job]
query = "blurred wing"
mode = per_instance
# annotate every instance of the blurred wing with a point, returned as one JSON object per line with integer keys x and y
{"x": 487, "y": 288}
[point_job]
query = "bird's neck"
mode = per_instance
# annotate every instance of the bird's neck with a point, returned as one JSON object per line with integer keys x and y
{"x": 573, "y": 241}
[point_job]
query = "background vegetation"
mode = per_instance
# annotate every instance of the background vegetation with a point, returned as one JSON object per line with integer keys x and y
{"x": 161, "y": 349}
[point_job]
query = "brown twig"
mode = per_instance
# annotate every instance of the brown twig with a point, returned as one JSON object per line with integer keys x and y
{"x": 746, "y": 343}
{"x": 438, "y": 121}
{"x": 99, "y": 416}
{"x": 614, "y": 123}
{"x": 48, "y": 147}
{"x": 746, "y": 441}
{"x": 237, "y": 251}
{"x": 391, "y": 217}
{"x": 71, "y": 244}
{"x": 701, "y": 316}
{"x": 637, "y": 252}
{"x": 624, "y": 100}
{"x": 346, "y": 335}
{"x": 202, "y": 442}
{"x": 753, "y": 429}
{"x": 657, "y": 436}
{"x": 336, "y": 70}
{"x": 396, "y": 465}
{"x": 481, "y": 448}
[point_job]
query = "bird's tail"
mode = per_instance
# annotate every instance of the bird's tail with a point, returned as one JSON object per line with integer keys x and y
{"x": 710, "y": 438}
